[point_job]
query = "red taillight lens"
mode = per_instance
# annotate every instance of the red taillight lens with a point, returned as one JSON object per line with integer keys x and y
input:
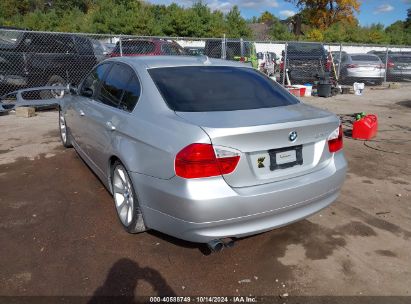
{"x": 203, "y": 160}
{"x": 352, "y": 66}
{"x": 390, "y": 64}
{"x": 335, "y": 141}
{"x": 328, "y": 65}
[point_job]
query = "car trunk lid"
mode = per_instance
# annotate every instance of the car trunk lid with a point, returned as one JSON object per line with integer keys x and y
{"x": 263, "y": 138}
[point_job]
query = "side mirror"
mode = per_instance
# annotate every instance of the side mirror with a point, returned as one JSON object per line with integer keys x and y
{"x": 73, "y": 89}
{"x": 87, "y": 92}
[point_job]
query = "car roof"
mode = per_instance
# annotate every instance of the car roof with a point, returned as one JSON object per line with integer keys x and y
{"x": 363, "y": 54}
{"x": 151, "y": 40}
{"x": 400, "y": 55}
{"x": 175, "y": 61}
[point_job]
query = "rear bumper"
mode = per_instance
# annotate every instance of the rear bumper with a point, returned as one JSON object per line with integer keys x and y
{"x": 207, "y": 209}
{"x": 405, "y": 73}
{"x": 366, "y": 74}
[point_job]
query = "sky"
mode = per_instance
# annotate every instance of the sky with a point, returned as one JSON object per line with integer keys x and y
{"x": 371, "y": 11}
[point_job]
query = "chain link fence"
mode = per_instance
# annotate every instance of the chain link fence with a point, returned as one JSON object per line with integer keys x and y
{"x": 31, "y": 59}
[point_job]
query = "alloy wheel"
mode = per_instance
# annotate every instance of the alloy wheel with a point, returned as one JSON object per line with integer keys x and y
{"x": 63, "y": 128}
{"x": 123, "y": 195}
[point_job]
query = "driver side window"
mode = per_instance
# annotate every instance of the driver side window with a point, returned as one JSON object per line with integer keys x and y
{"x": 93, "y": 79}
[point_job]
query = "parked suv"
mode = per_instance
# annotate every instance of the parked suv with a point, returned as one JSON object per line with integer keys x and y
{"x": 304, "y": 62}
{"x": 37, "y": 59}
{"x": 148, "y": 47}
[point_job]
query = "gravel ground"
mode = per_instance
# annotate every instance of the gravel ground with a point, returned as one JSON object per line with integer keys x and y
{"x": 60, "y": 235}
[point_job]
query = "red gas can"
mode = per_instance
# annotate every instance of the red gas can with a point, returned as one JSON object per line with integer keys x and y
{"x": 365, "y": 128}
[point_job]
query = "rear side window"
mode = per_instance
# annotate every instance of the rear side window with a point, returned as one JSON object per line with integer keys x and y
{"x": 113, "y": 86}
{"x": 131, "y": 95}
{"x": 364, "y": 58}
{"x": 204, "y": 89}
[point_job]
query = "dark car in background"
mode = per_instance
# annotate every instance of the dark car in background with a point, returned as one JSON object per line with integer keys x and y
{"x": 304, "y": 62}
{"x": 233, "y": 49}
{"x": 30, "y": 59}
{"x": 398, "y": 65}
{"x": 147, "y": 47}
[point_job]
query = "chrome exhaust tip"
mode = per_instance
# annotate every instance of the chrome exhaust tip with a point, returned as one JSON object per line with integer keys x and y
{"x": 215, "y": 245}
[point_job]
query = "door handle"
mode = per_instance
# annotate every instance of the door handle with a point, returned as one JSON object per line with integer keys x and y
{"x": 110, "y": 126}
{"x": 81, "y": 112}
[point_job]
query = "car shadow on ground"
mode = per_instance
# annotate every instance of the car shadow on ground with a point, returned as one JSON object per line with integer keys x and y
{"x": 203, "y": 248}
{"x": 122, "y": 280}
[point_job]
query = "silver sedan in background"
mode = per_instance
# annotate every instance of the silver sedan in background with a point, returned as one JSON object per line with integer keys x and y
{"x": 361, "y": 68}
{"x": 202, "y": 149}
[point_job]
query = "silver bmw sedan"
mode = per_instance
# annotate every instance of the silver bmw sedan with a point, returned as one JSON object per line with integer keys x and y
{"x": 202, "y": 149}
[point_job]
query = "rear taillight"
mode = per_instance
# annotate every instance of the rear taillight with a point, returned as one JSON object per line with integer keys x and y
{"x": 328, "y": 65}
{"x": 204, "y": 160}
{"x": 335, "y": 140}
{"x": 352, "y": 66}
{"x": 390, "y": 64}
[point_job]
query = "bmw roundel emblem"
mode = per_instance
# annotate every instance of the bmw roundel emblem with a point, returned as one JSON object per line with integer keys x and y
{"x": 292, "y": 136}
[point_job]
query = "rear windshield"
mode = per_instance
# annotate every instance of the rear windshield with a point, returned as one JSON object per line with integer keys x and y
{"x": 205, "y": 89}
{"x": 364, "y": 58}
{"x": 135, "y": 47}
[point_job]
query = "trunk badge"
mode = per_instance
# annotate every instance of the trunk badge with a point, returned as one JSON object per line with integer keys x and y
{"x": 260, "y": 162}
{"x": 292, "y": 136}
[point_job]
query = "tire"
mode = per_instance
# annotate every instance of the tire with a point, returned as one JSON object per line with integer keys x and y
{"x": 125, "y": 200}
{"x": 64, "y": 131}
{"x": 54, "y": 80}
